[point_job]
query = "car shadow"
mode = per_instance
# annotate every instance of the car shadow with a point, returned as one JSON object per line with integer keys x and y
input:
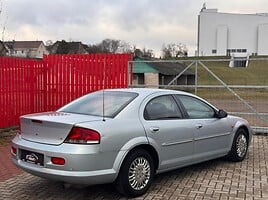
{"x": 180, "y": 182}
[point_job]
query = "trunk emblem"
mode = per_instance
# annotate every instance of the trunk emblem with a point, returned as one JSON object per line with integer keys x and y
{"x": 32, "y": 157}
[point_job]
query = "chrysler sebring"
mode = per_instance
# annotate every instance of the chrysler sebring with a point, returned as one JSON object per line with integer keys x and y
{"x": 126, "y": 136}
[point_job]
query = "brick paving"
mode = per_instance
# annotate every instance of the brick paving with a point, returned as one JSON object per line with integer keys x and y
{"x": 7, "y": 168}
{"x": 217, "y": 179}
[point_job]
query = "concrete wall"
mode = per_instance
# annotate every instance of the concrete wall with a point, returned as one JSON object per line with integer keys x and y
{"x": 263, "y": 39}
{"x": 222, "y": 31}
{"x": 221, "y": 40}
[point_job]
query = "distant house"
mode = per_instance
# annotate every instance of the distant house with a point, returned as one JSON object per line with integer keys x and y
{"x": 27, "y": 49}
{"x": 63, "y": 47}
{"x": 160, "y": 73}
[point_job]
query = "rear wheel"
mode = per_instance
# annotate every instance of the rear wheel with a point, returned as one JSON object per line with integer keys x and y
{"x": 136, "y": 174}
{"x": 239, "y": 147}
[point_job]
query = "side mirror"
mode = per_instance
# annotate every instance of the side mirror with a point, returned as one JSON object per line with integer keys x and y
{"x": 221, "y": 114}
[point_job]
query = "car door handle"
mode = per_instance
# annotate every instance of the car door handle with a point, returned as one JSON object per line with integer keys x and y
{"x": 198, "y": 126}
{"x": 154, "y": 129}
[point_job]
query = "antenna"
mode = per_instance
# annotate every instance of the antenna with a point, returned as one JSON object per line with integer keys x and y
{"x": 204, "y": 6}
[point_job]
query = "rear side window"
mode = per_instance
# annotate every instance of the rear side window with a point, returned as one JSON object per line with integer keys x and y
{"x": 162, "y": 108}
{"x": 195, "y": 108}
{"x": 107, "y": 104}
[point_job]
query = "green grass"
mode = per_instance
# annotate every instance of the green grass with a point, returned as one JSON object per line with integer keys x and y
{"x": 255, "y": 74}
{"x": 223, "y": 93}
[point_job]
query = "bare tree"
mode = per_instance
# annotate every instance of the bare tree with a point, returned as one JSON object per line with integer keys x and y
{"x": 166, "y": 51}
{"x": 49, "y": 43}
{"x": 173, "y": 50}
{"x": 110, "y": 46}
{"x": 125, "y": 47}
{"x": 94, "y": 48}
{"x": 4, "y": 23}
{"x": 144, "y": 53}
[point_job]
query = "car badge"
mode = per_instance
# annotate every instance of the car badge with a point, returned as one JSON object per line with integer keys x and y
{"x": 32, "y": 157}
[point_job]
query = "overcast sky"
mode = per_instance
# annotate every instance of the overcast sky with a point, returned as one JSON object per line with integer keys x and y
{"x": 145, "y": 23}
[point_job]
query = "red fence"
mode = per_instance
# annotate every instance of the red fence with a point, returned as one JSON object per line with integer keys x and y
{"x": 28, "y": 86}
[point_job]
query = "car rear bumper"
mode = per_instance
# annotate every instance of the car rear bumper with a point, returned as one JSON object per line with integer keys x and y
{"x": 74, "y": 177}
{"x": 84, "y": 164}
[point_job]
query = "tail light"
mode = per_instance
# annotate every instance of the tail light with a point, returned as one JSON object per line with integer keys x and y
{"x": 13, "y": 150}
{"x": 83, "y": 136}
{"x": 58, "y": 161}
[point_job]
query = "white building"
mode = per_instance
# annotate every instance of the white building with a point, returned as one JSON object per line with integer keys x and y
{"x": 236, "y": 35}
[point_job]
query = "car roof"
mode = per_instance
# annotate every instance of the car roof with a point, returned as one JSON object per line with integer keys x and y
{"x": 147, "y": 91}
{"x": 143, "y": 92}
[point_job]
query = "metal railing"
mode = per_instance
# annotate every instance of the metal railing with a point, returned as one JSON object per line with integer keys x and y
{"x": 249, "y": 100}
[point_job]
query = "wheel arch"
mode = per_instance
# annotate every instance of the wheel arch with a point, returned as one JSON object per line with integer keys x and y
{"x": 242, "y": 125}
{"x": 147, "y": 147}
{"x": 131, "y": 146}
{"x": 245, "y": 129}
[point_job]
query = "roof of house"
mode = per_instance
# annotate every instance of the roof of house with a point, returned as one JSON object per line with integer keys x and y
{"x": 141, "y": 67}
{"x": 76, "y": 47}
{"x": 170, "y": 68}
{"x": 23, "y": 44}
{"x": 160, "y": 66}
{"x": 64, "y": 47}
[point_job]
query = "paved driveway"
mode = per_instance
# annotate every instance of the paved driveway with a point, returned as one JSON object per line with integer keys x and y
{"x": 217, "y": 179}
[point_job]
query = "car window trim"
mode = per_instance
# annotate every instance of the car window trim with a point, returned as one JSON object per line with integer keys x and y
{"x": 185, "y": 110}
{"x": 175, "y": 101}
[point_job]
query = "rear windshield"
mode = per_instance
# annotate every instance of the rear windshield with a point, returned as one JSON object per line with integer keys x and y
{"x": 92, "y": 104}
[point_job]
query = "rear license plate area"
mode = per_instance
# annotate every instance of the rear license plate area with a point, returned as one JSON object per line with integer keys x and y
{"x": 32, "y": 157}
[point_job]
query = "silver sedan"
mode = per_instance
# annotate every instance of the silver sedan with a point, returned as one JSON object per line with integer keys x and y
{"x": 126, "y": 136}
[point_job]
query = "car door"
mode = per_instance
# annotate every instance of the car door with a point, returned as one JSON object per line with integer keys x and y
{"x": 167, "y": 131}
{"x": 210, "y": 133}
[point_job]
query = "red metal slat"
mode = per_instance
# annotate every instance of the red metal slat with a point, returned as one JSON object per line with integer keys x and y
{"x": 63, "y": 75}
{"x": 51, "y": 83}
{"x": 95, "y": 73}
{"x": 60, "y": 67}
{"x": 104, "y": 60}
{"x": 10, "y": 102}
{"x": 78, "y": 75}
{"x": 1, "y": 92}
{"x": 115, "y": 73}
{"x": 31, "y": 83}
{"x": 89, "y": 72}
{"x": 72, "y": 78}
{"x": 109, "y": 65}
{"x": 46, "y": 73}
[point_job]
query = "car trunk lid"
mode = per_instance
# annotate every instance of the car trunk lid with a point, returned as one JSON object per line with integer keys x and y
{"x": 51, "y": 127}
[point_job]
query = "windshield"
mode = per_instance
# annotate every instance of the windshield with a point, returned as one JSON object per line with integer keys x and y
{"x": 92, "y": 104}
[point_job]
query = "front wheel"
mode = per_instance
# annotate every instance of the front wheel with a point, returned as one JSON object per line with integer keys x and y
{"x": 136, "y": 174}
{"x": 239, "y": 146}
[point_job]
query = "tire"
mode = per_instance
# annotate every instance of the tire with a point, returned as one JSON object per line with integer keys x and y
{"x": 136, "y": 174}
{"x": 239, "y": 146}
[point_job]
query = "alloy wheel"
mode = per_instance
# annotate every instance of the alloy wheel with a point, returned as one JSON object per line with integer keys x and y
{"x": 241, "y": 144}
{"x": 139, "y": 173}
